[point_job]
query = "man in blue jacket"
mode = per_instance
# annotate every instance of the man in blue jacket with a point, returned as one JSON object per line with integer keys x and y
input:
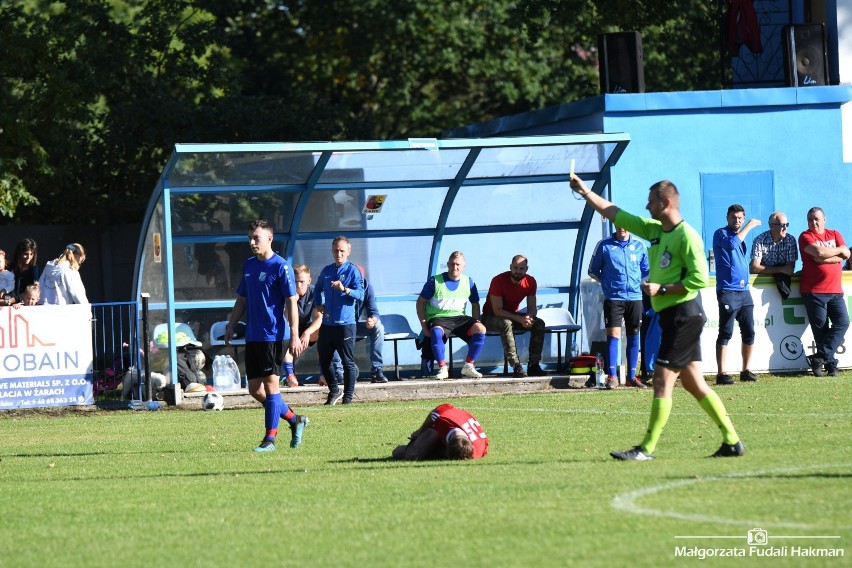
{"x": 339, "y": 288}
{"x": 620, "y": 263}
{"x": 732, "y": 291}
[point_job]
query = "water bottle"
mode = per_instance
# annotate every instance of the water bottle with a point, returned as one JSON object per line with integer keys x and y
{"x": 600, "y": 378}
{"x": 575, "y": 349}
{"x": 233, "y": 373}
{"x": 711, "y": 262}
{"x": 142, "y": 405}
{"x": 221, "y": 379}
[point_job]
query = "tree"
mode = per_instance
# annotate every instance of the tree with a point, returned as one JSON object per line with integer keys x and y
{"x": 94, "y": 95}
{"x": 98, "y": 95}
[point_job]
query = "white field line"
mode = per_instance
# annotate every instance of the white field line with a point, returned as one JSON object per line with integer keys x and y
{"x": 627, "y": 501}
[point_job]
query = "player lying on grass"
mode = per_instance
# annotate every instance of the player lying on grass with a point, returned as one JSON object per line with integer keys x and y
{"x": 448, "y": 432}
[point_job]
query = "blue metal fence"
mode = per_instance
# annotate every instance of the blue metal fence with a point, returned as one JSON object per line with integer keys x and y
{"x": 117, "y": 348}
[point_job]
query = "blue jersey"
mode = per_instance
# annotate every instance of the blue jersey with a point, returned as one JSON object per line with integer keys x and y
{"x": 339, "y": 308}
{"x": 620, "y": 267}
{"x": 729, "y": 251}
{"x": 266, "y": 285}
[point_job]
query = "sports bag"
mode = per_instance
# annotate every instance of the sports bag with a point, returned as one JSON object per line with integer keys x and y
{"x": 584, "y": 364}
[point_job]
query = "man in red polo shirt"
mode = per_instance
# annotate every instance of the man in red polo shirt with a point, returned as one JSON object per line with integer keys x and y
{"x": 448, "y": 432}
{"x": 501, "y": 314}
{"x": 823, "y": 253}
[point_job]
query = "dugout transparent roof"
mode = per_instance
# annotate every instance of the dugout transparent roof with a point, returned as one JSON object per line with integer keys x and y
{"x": 405, "y": 206}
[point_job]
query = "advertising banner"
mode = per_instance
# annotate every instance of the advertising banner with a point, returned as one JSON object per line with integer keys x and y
{"x": 783, "y": 337}
{"x": 45, "y": 356}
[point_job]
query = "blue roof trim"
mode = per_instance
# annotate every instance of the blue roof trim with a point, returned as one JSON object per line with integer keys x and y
{"x": 837, "y": 94}
{"x": 641, "y": 102}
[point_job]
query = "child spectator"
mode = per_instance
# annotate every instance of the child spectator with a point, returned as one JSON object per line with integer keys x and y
{"x": 7, "y": 281}
{"x": 30, "y": 296}
{"x": 61, "y": 283}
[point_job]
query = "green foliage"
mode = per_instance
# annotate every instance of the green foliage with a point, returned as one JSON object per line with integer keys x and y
{"x": 94, "y": 94}
{"x": 183, "y": 488}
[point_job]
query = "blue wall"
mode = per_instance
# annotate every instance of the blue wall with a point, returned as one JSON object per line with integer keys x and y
{"x": 795, "y": 133}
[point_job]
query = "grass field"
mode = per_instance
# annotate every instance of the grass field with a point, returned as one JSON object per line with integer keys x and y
{"x": 181, "y": 488}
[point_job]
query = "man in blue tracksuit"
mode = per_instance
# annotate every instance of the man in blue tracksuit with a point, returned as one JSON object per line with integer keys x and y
{"x": 619, "y": 263}
{"x": 339, "y": 289}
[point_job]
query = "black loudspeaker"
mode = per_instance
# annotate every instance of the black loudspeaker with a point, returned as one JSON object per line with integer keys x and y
{"x": 805, "y": 60}
{"x": 621, "y": 64}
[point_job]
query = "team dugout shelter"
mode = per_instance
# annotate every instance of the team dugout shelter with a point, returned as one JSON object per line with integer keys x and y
{"x": 404, "y": 205}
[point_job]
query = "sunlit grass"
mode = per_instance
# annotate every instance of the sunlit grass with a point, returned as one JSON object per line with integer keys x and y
{"x": 183, "y": 488}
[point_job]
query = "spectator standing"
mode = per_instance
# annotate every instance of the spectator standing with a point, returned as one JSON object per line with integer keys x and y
{"x": 620, "y": 263}
{"x": 501, "y": 314}
{"x": 267, "y": 296}
{"x": 441, "y": 311}
{"x": 60, "y": 283}
{"x": 25, "y": 265}
{"x": 340, "y": 286}
{"x": 823, "y": 254}
{"x": 678, "y": 271}
{"x": 448, "y": 432}
{"x": 775, "y": 252}
{"x": 733, "y": 292}
{"x": 7, "y": 281}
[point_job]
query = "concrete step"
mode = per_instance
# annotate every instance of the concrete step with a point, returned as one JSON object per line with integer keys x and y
{"x": 411, "y": 389}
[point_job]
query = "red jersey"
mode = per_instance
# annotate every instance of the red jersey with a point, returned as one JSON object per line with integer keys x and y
{"x": 820, "y": 278}
{"x": 502, "y": 285}
{"x": 447, "y": 417}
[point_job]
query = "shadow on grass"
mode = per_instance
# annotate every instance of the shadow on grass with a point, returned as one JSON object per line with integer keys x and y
{"x": 816, "y": 475}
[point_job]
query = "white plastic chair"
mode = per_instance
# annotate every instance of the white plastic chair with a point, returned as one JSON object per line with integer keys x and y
{"x": 217, "y": 334}
{"x": 217, "y": 337}
{"x": 559, "y": 321}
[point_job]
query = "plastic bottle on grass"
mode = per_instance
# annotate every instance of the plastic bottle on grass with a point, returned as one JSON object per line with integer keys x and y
{"x": 600, "y": 378}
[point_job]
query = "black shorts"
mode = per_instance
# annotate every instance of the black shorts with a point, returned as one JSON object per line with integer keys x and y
{"x": 265, "y": 358}
{"x": 457, "y": 325}
{"x": 627, "y": 312}
{"x": 680, "y": 343}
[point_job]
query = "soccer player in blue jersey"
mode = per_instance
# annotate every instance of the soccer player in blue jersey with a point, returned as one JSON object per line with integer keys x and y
{"x": 267, "y": 296}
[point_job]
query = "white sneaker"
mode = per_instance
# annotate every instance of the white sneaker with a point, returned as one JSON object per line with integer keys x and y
{"x": 443, "y": 373}
{"x": 470, "y": 371}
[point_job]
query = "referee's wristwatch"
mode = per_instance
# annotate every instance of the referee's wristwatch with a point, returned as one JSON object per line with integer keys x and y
{"x": 662, "y": 291}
